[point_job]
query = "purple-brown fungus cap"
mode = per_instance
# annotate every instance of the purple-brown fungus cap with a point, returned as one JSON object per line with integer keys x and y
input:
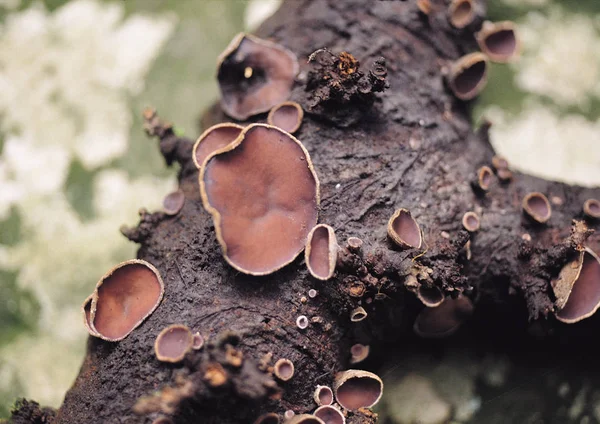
{"x": 443, "y": 320}
{"x": 358, "y": 353}
{"x": 321, "y": 252}
{"x": 86, "y": 310}
{"x": 591, "y": 207}
{"x": 537, "y": 207}
{"x": 173, "y": 343}
{"x": 254, "y": 75}
{"x": 287, "y": 116}
{"x": 470, "y": 221}
{"x": 357, "y": 389}
{"x": 263, "y": 194}
{"x": 403, "y": 229}
{"x": 213, "y": 139}
{"x": 284, "y": 369}
{"x": 330, "y": 414}
{"x": 498, "y": 40}
{"x": 468, "y": 75}
{"x": 173, "y": 202}
{"x": 461, "y": 13}
{"x": 430, "y": 296}
{"x": 323, "y": 395}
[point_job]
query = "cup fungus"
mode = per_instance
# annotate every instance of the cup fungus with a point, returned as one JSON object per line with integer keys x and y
{"x": 354, "y": 244}
{"x": 430, "y": 296}
{"x": 163, "y": 420}
{"x": 403, "y": 229}
{"x": 470, "y": 221}
{"x": 357, "y": 389}
{"x": 312, "y": 293}
{"x": 484, "y": 178}
{"x": 577, "y": 288}
{"x": 305, "y": 419}
{"x": 330, "y": 414}
{"x": 125, "y": 296}
{"x": 213, "y": 139}
{"x": 289, "y": 414}
{"x": 197, "y": 341}
{"x": 269, "y": 418}
{"x": 468, "y": 75}
{"x": 287, "y": 116}
{"x": 358, "y": 314}
{"x": 263, "y": 194}
{"x": 591, "y": 208}
{"x": 323, "y": 395}
{"x": 321, "y": 252}
{"x": 499, "y": 162}
{"x": 302, "y": 322}
{"x": 173, "y": 202}
{"x": 498, "y": 41}
{"x": 86, "y": 310}
{"x": 444, "y": 320}
{"x": 173, "y": 343}
{"x": 358, "y": 353}
{"x": 254, "y": 75}
{"x": 284, "y": 369}
{"x": 504, "y": 175}
{"x": 537, "y": 207}
{"x": 461, "y": 13}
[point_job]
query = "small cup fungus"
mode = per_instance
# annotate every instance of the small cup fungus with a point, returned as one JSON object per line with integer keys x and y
{"x": 124, "y": 297}
{"x": 289, "y": 414}
{"x": 354, "y": 244}
{"x": 461, "y": 13}
{"x": 213, "y": 139}
{"x": 173, "y": 202}
{"x": 330, "y": 414}
{"x": 403, "y": 229}
{"x": 430, "y": 296}
{"x": 284, "y": 369}
{"x": 444, "y": 320}
{"x": 591, "y": 208}
{"x": 287, "y": 116}
{"x": 197, "y": 341}
{"x": 358, "y": 314}
{"x": 173, "y": 343}
{"x": 357, "y": 389}
{"x": 577, "y": 288}
{"x": 323, "y": 395}
{"x": 537, "y": 207}
{"x": 499, "y": 162}
{"x": 484, "y": 178}
{"x": 302, "y": 322}
{"x": 305, "y": 419}
{"x": 468, "y": 75}
{"x": 254, "y": 75}
{"x": 504, "y": 175}
{"x": 499, "y": 41}
{"x": 312, "y": 293}
{"x": 263, "y": 194}
{"x": 358, "y": 353}
{"x": 321, "y": 252}
{"x": 270, "y": 418}
{"x": 470, "y": 222}
{"x": 86, "y": 310}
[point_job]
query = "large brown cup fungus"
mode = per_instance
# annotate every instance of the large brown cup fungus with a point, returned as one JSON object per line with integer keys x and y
{"x": 537, "y": 207}
{"x": 330, "y": 414}
{"x": 357, "y": 389}
{"x": 577, "y": 288}
{"x": 499, "y": 41}
{"x": 287, "y": 116}
{"x": 468, "y": 75}
{"x": 444, "y": 320}
{"x": 263, "y": 194}
{"x": 254, "y": 75}
{"x": 403, "y": 229}
{"x": 124, "y": 297}
{"x": 321, "y": 252}
{"x": 591, "y": 208}
{"x": 461, "y": 13}
{"x": 173, "y": 343}
{"x": 213, "y": 139}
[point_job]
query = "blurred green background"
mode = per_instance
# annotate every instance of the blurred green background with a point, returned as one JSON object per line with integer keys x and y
{"x": 75, "y": 165}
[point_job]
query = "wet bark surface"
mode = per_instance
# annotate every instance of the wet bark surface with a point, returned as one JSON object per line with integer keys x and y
{"x": 411, "y": 146}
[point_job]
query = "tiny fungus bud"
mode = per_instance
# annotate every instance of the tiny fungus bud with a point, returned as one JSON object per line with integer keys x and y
{"x": 254, "y": 75}
{"x": 323, "y": 395}
{"x": 504, "y": 175}
{"x": 591, "y": 208}
{"x": 499, "y": 162}
{"x": 470, "y": 221}
{"x": 321, "y": 252}
{"x": 270, "y": 418}
{"x": 173, "y": 202}
{"x": 444, "y": 320}
{"x": 403, "y": 229}
{"x": 461, "y": 13}
{"x": 484, "y": 178}
{"x": 358, "y": 314}
{"x": 289, "y": 414}
{"x": 330, "y": 414}
{"x": 498, "y": 40}
{"x": 577, "y": 288}
{"x": 430, "y": 296}
{"x": 305, "y": 419}
{"x": 284, "y": 369}
{"x": 358, "y": 353}
{"x": 537, "y": 207}
{"x": 302, "y": 322}
{"x": 173, "y": 343}
{"x": 468, "y": 76}
{"x": 354, "y": 244}
{"x": 198, "y": 341}
{"x": 213, "y": 139}
{"x": 287, "y": 116}
{"x": 357, "y": 389}
{"x": 215, "y": 375}
{"x": 312, "y": 293}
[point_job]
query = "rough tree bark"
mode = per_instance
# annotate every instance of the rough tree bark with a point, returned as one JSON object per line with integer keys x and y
{"x": 414, "y": 148}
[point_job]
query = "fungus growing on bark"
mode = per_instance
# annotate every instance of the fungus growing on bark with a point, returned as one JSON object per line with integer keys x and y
{"x": 125, "y": 296}
{"x": 305, "y": 419}
{"x": 537, "y": 207}
{"x": 287, "y": 116}
{"x": 443, "y": 320}
{"x": 358, "y": 353}
{"x": 284, "y": 369}
{"x": 461, "y": 13}
{"x": 321, "y": 252}
{"x": 498, "y": 40}
{"x": 577, "y": 288}
{"x": 467, "y": 76}
{"x": 357, "y": 389}
{"x": 499, "y": 162}
{"x": 269, "y": 418}
{"x": 330, "y": 414}
{"x": 197, "y": 341}
{"x": 173, "y": 343}
{"x": 484, "y": 178}
{"x": 403, "y": 229}
{"x": 358, "y": 314}
{"x": 591, "y": 208}
{"x": 354, "y": 244}
{"x": 254, "y": 75}
{"x": 470, "y": 222}
{"x": 302, "y": 322}
{"x": 289, "y": 414}
{"x": 504, "y": 175}
{"x": 261, "y": 190}
{"x": 213, "y": 139}
{"x": 430, "y": 296}
{"x": 173, "y": 202}
{"x": 323, "y": 395}
{"x": 312, "y": 293}
{"x": 86, "y": 310}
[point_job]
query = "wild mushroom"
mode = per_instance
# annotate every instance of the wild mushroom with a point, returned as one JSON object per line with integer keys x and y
{"x": 283, "y": 369}
{"x": 591, "y": 208}
{"x": 213, "y": 139}
{"x": 443, "y": 320}
{"x": 357, "y": 389}
{"x": 173, "y": 342}
{"x": 269, "y": 418}
{"x": 173, "y": 202}
{"x": 577, "y": 288}
{"x": 330, "y": 414}
{"x": 287, "y": 116}
{"x": 430, "y": 296}
{"x": 470, "y": 222}
{"x": 321, "y": 252}
{"x": 323, "y": 395}
{"x": 358, "y": 353}
{"x": 468, "y": 76}
{"x": 498, "y": 40}
{"x": 461, "y": 13}
{"x": 125, "y": 296}
{"x": 263, "y": 194}
{"x": 254, "y": 75}
{"x": 403, "y": 229}
{"x": 537, "y": 207}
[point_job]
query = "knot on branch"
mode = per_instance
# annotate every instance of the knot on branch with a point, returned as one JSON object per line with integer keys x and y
{"x": 172, "y": 147}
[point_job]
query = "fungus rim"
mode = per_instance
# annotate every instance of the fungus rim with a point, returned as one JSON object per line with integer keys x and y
{"x": 465, "y": 221}
{"x": 296, "y": 105}
{"x": 332, "y": 251}
{"x": 358, "y": 314}
{"x": 206, "y": 133}
{"x": 87, "y": 320}
{"x": 400, "y": 242}
{"x": 490, "y": 28}
{"x": 426, "y": 300}
{"x": 459, "y": 66}
{"x": 344, "y": 376}
{"x": 529, "y": 211}
{"x": 162, "y": 334}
